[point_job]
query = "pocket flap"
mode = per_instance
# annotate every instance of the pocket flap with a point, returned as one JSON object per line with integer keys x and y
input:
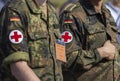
{"x": 92, "y": 29}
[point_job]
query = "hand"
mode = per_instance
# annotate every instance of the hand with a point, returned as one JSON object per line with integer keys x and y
{"x": 107, "y": 51}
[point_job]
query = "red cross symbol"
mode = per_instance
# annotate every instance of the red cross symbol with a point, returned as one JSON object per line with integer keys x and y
{"x": 16, "y": 36}
{"x": 67, "y": 36}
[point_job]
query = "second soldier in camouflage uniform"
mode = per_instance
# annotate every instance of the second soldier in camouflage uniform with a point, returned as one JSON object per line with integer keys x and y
{"x": 29, "y": 29}
{"x": 90, "y": 33}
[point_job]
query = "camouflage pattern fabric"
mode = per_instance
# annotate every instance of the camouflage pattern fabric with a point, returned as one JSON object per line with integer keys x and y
{"x": 28, "y": 34}
{"x": 90, "y": 29}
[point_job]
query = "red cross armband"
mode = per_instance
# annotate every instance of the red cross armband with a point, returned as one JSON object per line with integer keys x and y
{"x": 16, "y": 36}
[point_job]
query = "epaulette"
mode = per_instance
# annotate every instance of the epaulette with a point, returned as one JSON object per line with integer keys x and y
{"x": 51, "y": 6}
{"x": 70, "y": 6}
{"x": 76, "y": 9}
{"x": 17, "y": 5}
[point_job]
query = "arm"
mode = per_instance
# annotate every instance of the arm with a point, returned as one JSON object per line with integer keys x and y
{"x": 107, "y": 51}
{"x": 86, "y": 58}
{"x": 91, "y": 57}
{"x": 17, "y": 53}
{"x": 23, "y": 72}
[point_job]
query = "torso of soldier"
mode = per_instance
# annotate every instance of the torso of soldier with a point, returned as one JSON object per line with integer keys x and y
{"x": 97, "y": 28}
{"x": 95, "y": 24}
{"x": 39, "y": 31}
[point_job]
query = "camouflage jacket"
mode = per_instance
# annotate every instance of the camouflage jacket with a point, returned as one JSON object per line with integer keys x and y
{"x": 28, "y": 34}
{"x": 84, "y": 30}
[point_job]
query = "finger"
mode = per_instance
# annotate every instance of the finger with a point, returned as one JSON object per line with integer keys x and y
{"x": 112, "y": 57}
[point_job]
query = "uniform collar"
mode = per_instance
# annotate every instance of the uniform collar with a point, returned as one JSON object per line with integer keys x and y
{"x": 33, "y": 7}
{"x": 89, "y": 8}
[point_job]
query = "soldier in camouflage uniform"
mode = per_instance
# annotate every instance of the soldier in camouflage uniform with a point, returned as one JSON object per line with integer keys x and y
{"x": 90, "y": 33}
{"x": 28, "y": 31}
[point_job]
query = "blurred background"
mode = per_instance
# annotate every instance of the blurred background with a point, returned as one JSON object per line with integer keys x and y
{"x": 58, "y": 3}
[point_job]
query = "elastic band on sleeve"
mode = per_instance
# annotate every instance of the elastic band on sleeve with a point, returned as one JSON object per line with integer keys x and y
{"x": 17, "y": 56}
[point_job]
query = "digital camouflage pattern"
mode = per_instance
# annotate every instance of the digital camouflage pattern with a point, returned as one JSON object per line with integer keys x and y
{"x": 39, "y": 36}
{"x": 90, "y": 30}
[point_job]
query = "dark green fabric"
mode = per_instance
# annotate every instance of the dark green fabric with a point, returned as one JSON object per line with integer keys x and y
{"x": 87, "y": 65}
{"x": 39, "y": 35}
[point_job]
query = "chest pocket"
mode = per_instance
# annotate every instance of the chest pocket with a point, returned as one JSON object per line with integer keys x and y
{"x": 37, "y": 28}
{"x": 38, "y": 42}
{"x": 96, "y": 35}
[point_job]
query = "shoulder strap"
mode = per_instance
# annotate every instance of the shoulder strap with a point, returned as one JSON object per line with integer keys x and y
{"x": 79, "y": 12}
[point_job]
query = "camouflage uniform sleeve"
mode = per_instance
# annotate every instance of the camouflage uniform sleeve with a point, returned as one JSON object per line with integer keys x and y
{"x": 14, "y": 36}
{"x": 73, "y": 35}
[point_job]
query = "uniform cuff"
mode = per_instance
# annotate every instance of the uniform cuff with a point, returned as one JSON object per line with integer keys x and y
{"x": 17, "y": 56}
{"x": 97, "y": 56}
